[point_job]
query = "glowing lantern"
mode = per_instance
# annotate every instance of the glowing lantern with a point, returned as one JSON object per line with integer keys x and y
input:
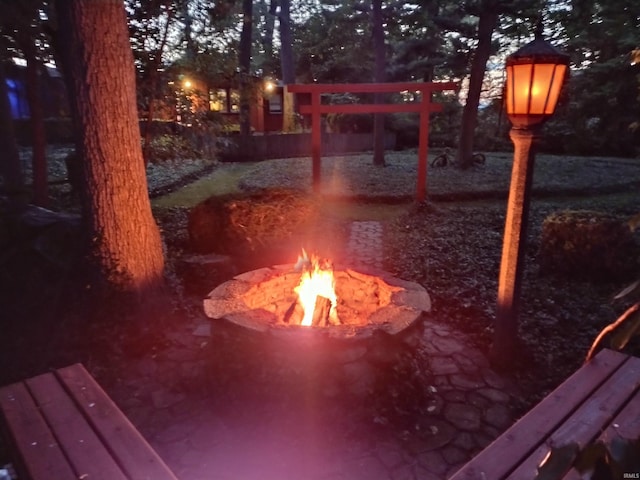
{"x": 535, "y": 75}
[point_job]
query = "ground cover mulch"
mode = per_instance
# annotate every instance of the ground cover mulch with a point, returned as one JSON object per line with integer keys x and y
{"x": 354, "y": 176}
{"x": 451, "y": 245}
{"x": 454, "y": 250}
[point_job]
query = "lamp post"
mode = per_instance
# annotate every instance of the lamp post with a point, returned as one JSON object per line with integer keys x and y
{"x": 535, "y": 74}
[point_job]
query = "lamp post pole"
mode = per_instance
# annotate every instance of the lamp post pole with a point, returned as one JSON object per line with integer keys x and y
{"x": 514, "y": 245}
{"x": 535, "y": 74}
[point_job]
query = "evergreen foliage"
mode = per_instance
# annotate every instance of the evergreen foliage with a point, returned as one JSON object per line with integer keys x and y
{"x": 599, "y": 112}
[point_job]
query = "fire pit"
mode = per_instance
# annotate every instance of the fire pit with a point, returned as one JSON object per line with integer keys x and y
{"x": 352, "y": 327}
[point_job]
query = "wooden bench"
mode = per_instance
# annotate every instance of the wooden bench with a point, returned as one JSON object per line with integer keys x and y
{"x": 598, "y": 402}
{"x": 62, "y": 425}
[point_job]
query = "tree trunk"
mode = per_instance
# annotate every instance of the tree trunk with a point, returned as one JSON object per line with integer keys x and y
{"x": 379, "y": 75}
{"x": 125, "y": 241}
{"x": 154, "y": 87}
{"x": 246, "y": 92}
{"x": 486, "y": 25}
{"x": 39, "y": 140}
{"x": 269, "y": 26}
{"x": 287, "y": 64}
{"x": 190, "y": 51}
{"x": 10, "y": 165}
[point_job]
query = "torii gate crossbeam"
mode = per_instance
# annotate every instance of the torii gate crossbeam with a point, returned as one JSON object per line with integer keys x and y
{"x": 424, "y": 107}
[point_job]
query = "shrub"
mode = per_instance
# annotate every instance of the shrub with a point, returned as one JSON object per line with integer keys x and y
{"x": 170, "y": 147}
{"x": 618, "y": 334}
{"x": 588, "y": 245}
{"x": 249, "y": 226}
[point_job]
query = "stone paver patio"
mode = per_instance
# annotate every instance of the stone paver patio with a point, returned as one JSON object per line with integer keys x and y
{"x": 207, "y": 429}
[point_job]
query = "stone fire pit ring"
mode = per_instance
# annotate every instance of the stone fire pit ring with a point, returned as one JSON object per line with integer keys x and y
{"x": 256, "y": 300}
{"x": 383, "y": 320}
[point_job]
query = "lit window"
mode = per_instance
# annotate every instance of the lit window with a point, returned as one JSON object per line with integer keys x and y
{"x": 218, "y": 100}
{"x": 235, "y": 101}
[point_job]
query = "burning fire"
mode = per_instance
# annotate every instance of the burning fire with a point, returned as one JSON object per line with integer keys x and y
{"x": 317, "y": 286}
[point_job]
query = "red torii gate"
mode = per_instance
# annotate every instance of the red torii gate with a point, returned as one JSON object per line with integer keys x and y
{"x": 424, "y": 107}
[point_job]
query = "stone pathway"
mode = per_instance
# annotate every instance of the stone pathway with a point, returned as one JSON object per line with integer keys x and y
{"x": 364, "y": 247}
{"x": 233, "y": 429}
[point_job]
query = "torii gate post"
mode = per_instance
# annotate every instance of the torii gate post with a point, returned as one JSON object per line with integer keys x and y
{"x": 424, "y": 107}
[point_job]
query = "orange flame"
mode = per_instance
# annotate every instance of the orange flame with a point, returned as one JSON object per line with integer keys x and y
{"x": 317, "y": 280}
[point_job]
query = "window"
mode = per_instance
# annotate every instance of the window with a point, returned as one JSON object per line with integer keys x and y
{"x": 218, "y": 100}
{"x": 275, "y": 103}
{"x": 235, "y": 101}
{"x": 225, "y": 100}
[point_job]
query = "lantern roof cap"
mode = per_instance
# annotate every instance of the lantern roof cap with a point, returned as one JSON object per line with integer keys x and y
{"x": 538, "y": 51}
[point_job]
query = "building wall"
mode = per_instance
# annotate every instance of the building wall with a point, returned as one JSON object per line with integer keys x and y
{"x": 53, "y": 93}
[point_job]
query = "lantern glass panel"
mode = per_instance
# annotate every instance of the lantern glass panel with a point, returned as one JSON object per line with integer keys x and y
{"x": 545, "y": 88}
{"x": 519, "y": 81}
{"x": 555, "y": 87}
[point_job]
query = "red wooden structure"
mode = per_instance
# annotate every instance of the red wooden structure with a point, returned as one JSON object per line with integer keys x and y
{"x": 424, "y": 107}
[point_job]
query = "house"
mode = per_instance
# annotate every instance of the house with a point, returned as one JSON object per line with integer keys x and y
{"x": 222, "y": 97}
{"x": 187, "y": 94}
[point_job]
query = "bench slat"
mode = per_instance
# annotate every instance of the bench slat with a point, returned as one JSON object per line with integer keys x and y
{"x": 627, "y": 422}
{"x": 37, "y": 452}
{"x": 506, "y": 452}
{"x": 589, "y": 420}
{"x": 625, "y": 425}
{"x": 80, "y": 443}
{"x": 127, "y": 445}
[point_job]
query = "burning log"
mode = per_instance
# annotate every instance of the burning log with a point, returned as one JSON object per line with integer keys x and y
{"x": 293, "y": 314}
{"x": 316, "y": 292}
{"x": 321, "y": 312}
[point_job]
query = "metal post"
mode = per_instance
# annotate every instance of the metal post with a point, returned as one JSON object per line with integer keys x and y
{"x": 505, "y": 335}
